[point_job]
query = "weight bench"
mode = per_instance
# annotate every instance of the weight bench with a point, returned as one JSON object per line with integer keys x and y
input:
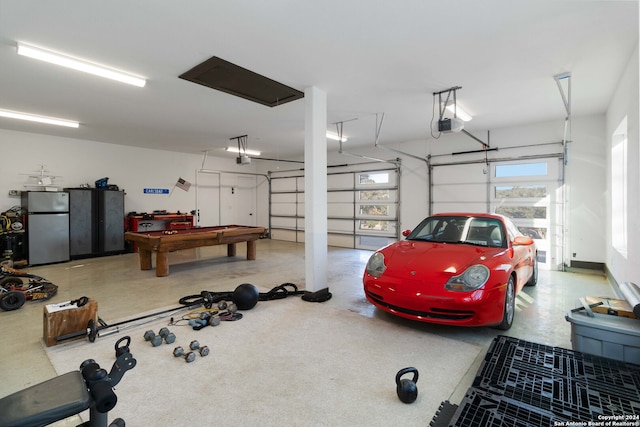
{"x": 66, "y": 395}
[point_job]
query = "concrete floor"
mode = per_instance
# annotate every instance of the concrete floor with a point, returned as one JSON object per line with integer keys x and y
{"x": 123, "y": 290}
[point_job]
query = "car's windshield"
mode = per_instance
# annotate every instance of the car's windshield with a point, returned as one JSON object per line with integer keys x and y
{"x": 461, "y": 229}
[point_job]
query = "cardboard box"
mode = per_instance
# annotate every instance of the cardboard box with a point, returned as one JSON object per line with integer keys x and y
{"x": 613, "y": 307}
{"x": 66, "y": 318}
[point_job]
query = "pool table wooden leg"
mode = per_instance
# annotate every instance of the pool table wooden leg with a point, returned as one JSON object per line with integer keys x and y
{"x": 145, "y": 259}
{"x": 231, "y": 249}
{"x": 251, "y": 249}
{"x": 162, "y": 264}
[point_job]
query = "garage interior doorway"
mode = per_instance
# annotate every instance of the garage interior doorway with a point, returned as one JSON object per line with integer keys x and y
{"x": 224, "y": 198}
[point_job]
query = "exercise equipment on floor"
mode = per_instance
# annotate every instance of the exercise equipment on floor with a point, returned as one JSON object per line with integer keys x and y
{"x": 407, "y": 389}
{"x": 94, "y": 330}
{"x": 190, "y": 356}
{"x": 156, "y": 340}
{"x": 90, "y": 387}
{"x": 246, "y": 295}
{"x": 200, "y": 318}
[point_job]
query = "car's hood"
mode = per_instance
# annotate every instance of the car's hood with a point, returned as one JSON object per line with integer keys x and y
{"x": 437, "y": 258}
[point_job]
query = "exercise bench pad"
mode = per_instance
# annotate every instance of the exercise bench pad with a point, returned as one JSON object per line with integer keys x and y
{"x": 45, "y": 403}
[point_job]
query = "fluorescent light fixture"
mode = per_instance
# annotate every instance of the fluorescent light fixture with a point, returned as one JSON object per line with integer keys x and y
{"x": 459, "y": 112}
{"x": 336, "y": 137}
{"x": 40, "y": 119}
{"x": 247, "y": 152}
{"x": 80, "y": 65}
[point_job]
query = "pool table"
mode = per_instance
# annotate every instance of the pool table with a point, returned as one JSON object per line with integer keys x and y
{"x": 163, "y": 242}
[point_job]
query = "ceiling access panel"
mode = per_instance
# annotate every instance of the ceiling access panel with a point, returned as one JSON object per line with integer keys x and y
{"x": 216, "y": 73}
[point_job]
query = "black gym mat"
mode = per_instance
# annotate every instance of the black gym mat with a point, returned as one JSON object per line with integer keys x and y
{"x": 530, "y": 384}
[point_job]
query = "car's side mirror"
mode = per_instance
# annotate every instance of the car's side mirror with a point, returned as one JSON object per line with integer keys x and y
{"x": 523, "y": 240}
{"x": 405, "y": 233}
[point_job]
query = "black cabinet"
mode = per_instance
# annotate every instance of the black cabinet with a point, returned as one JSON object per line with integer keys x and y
{"x": 96, "y": 222}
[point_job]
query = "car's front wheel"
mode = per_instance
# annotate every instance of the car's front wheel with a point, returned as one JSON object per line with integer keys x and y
{"x": 509, "y": 306}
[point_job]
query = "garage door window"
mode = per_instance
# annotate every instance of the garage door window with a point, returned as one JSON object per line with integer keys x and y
{"x": 521, "y": 169}
{"x": 374, "y": 178}
{"x": 517, "y": 212}
{"x": 520, "y": 191}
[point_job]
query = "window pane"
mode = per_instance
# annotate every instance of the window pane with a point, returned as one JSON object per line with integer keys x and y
{"x": 374, "y": 178}
{"x": 374, "y": 225}
{"x": 520, "y": 191}
{"x": 534, "y": 232}
{"x": 521, "y": 169}
{"x": 374, "y": 195}
{"x": 374, "y": 210}
{"x": 529, "y": 212}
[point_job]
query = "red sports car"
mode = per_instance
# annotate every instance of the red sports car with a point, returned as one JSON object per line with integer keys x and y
{"x": 454, "y": 269}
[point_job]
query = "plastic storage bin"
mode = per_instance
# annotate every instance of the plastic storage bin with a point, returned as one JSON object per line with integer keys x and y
{"x": 604, "y": 335}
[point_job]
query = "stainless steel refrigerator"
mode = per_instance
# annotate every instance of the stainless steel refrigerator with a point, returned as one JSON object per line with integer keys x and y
{"x": 47, "y": 226}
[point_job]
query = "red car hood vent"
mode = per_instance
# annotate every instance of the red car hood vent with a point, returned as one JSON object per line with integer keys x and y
{"x": 440, "y": 258}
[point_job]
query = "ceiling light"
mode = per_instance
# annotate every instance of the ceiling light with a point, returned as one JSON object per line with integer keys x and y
{"x": 80, "y": 65}
{"x": 459, "y": 112}
{"x": 247, "y": 151}
{"x": 40, "y": 119}
{"x": 336, "y": 137}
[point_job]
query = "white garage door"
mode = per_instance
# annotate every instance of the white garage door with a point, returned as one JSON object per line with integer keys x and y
{"x": 362, "y": 208}
{"x": 528, "y": 191}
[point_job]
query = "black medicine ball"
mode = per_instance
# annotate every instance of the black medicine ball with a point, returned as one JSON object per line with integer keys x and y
{"x": 246, "y": 296}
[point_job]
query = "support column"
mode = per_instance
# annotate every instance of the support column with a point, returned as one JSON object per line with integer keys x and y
{"x": 315, "y": 189}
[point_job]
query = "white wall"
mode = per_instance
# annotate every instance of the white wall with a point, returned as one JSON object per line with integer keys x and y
{"x": 625, "y": 103}
{"x": 131, "y": 169}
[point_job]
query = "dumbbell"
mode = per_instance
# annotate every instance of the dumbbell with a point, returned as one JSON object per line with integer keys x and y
{"x": 201, "y": 321}
{"x": 156, "y": 340}
{"x": 179, "y": 352}
{"x": 205, "y": 319}
{"x": 231, "y": 308}
{"x": 195, "y": 346}
{"x": 214, "y": 320}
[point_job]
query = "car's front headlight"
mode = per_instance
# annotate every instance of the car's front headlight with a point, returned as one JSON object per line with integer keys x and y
{"x": 375, "y": 265}
{"x": 472, "y": 278}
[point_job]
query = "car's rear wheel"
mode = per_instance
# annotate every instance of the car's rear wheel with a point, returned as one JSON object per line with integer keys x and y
{"x": 509, "y": 306}
{"x": 534, "y": 275}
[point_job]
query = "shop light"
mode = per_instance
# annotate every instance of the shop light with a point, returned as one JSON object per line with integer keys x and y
{"x": 247, "y": 151}
{"x": 79, "y": 64}
{"x": 40, "y": 119}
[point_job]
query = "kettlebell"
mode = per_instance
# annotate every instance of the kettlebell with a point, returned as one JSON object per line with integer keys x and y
{"x": 407, "y": 389}
{"x": 124, "y": 348}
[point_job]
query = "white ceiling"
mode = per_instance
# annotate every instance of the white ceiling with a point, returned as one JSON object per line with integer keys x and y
{"x": 368, "y": 56}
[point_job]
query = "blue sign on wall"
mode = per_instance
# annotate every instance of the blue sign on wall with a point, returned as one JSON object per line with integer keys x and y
{"x": 156, "y": 191}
